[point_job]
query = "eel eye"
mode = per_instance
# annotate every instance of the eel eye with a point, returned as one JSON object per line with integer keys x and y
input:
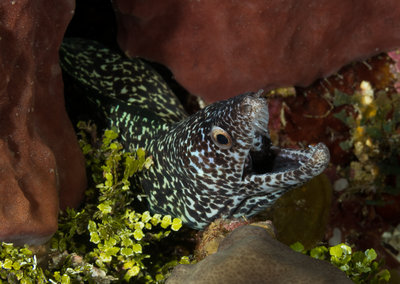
{"x": 221, "y": 137}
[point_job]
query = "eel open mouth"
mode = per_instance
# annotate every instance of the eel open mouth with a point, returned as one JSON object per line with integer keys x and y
{"x": 293, "y": 166}
{"x": 287, "y": 167}
{"x": 267, "y": 165}
{"x": 261, "y": 159}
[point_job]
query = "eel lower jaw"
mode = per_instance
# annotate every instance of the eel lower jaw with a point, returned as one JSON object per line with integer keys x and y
{"x": 285, "y": 167}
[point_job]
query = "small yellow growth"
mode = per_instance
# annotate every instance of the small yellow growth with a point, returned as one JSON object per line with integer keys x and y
{"x": 138, "y": 234}
{"x": 369, "y": 143}
{"x": 184, "y": 260}
{"x": 137, "y": 248}
{"x": 283, "y": 92}
{"x": 132, "y": 272}
{"x": 139, "y": 226}
{"x": 146, "y": 217}
{"x": 368, "y": 109}
{"x": 166, "y": 221}
{"x": 367, "y": 93}
{"x": 155, "y": 219}
{"x": 359, "y": 133}
{"x": 176, "y": 224}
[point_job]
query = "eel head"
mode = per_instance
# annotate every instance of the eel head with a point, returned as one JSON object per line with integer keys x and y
{"x": 228, "y": 166}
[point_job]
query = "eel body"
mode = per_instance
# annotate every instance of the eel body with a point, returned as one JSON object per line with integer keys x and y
{"x": 217, "y": 163}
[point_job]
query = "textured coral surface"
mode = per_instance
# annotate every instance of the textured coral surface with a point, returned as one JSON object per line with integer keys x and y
{"x": 218, "y": 49}
{"x": 41, "y": 166}
{"x": 251, "y": 255}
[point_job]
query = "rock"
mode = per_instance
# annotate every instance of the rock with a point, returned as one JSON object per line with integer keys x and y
{"x": 41, "y": 166}
{"x": 250, "y": 255}
{"x": 302, "y": 214}
{"x": 220, "y": 49}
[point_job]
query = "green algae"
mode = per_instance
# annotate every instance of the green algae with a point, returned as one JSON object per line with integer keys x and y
{"x": 106, "y": 240}
{"x": 360, "y": 267}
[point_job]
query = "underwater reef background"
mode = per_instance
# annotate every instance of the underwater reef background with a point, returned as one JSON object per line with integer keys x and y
{"x": 355, "y": 111}
{"x": 363, "y": 186}
{"x": 352, "y": 203}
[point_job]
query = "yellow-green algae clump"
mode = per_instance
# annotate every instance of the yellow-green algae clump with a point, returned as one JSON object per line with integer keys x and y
{"x": 360, "y": 267}
{"x": 107, "y": 240}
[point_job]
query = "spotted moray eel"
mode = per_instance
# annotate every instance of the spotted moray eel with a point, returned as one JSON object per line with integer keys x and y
{"x": 218, "y": 162}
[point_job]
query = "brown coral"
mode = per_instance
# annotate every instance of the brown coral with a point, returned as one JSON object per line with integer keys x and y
{"x": 40, "y": 161}
{"x": 218, "y": 49}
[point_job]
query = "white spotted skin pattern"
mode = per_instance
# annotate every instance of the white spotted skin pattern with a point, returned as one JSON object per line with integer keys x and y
{"x": 217, "y": 187}
{"x": 194, "y": 177}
